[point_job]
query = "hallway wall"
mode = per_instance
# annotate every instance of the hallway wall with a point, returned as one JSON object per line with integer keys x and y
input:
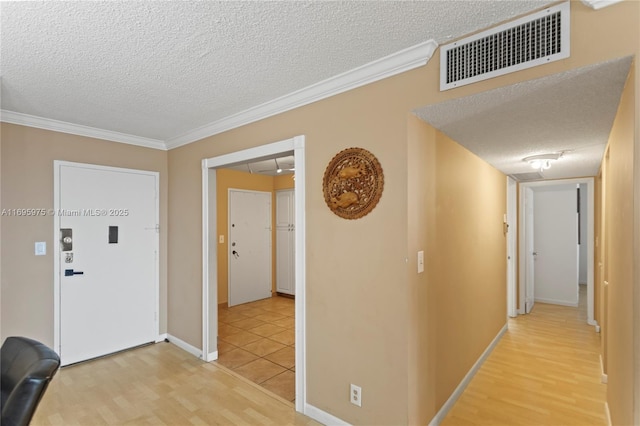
{"x": 458, "y": 305}
{"x": 619, "y": 214}
{"x": 469, "y": 278}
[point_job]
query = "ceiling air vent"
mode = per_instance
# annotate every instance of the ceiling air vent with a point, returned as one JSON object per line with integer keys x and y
{"x": 535, "y": 39}
{"x": 521, "y": 177}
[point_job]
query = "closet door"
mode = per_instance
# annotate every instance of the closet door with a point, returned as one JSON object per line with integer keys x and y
{"x": 285, "y": 242}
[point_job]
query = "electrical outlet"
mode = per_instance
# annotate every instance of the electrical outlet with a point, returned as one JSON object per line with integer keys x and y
{"x": 356, "y": 395}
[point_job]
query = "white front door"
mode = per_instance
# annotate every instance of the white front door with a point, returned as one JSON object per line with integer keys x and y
{"x": 108, "y": 265}
{"x": 249, "y": 246}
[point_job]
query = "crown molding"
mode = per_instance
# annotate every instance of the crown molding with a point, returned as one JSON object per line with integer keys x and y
{"x": 77, "y": 129}
{"x": 388, "y": 66}
{"x": 599, "y": 4}
{"x": 396, "y": 63}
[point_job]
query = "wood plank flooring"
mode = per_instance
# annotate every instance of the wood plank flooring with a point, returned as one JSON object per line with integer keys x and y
{"x": 544, "y": 371}
{"x": 162, "y": 385}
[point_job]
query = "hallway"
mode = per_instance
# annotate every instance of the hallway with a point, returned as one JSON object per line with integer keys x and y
{"x": 544, "y": 371}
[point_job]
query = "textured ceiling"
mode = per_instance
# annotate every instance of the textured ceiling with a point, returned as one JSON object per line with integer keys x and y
{"x": 570, "y": 112}
{"x": 164, "y": 70}
{"x": 160, "y": 69}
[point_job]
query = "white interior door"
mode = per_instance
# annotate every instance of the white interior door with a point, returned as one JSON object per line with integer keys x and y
{"x": 108, "y": 267}
{"x": 249, "y": 246}
{"x": 285, "y": 241}
{"x": 556, "y": 245}
{"x": 531, "y": 254}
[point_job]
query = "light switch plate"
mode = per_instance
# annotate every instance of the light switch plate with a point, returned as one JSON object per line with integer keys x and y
{"x": 420, "y": 261}
{"x": 41, "y": 248}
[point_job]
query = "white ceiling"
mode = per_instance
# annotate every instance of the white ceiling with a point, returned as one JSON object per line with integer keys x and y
{"x": 165, "y": 73}
{"x": 570, "y": 112}
{"x": 163, "y": 69}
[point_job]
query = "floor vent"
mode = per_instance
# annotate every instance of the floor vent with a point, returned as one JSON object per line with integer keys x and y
{"x": 533, "y": 40}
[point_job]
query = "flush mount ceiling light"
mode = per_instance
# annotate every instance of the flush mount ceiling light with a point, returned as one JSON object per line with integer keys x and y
{"x": 542, "y": 161}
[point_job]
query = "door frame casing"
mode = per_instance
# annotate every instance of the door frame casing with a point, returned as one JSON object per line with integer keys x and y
{"x": 57, "y": 164}
{"x": 269, "y": 251}
{"x": 512, "y": 242}
{"x": 210, "y": 250}
{"x": 589, "y": 182}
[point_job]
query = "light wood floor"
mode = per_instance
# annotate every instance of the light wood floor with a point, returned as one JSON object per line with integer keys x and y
{"x": 544, "y": 371}
{"x": 162, "y": 385}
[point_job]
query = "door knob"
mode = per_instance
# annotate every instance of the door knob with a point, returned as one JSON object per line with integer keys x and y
{"x": 71, "y": 272}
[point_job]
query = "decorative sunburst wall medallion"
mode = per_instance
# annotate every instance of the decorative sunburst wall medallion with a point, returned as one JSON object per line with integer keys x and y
{"x": 353, "y": 183}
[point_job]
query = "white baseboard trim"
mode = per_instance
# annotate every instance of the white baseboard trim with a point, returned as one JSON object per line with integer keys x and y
{"x": 211, "y": 356}
{"x": 603, "y": 377}
{"x": 322, "y": 416}
{"x": 442, "y": 413}
{"x": 161, "y": 337}
{"x": 557, "y": 302}
{"x": 607, "y": 414}
{"x": 185, "y": 346}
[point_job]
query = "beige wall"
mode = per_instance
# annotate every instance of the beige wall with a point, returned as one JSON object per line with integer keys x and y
{"x": 421, "y": 224}
{"x": 225, "y": 179}
{"x": 359, "y": 286}
{"x": 371, "y": 319}
{"x": 283, "y": 182}
{"x": 470, "y": 279}
{"x": 27, "y": 182}
{"x": 620, "y": 215}
{"x": 455, "y": 214}
{"x": 351, "y": 303}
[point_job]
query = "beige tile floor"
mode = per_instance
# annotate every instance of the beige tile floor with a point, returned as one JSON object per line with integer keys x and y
{"x": 257, "y": 341}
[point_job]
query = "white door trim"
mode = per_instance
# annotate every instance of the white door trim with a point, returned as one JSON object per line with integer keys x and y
{"x": 512, "y": 240}
{"x": 57, "y": 164}
{"x": 589, "y": 182}
{"x": 209, "y": 249}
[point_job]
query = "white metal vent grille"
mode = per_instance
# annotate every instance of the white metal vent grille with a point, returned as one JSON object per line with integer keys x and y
{"x": 536, "y": 39}
{"x": 521, "y": 177}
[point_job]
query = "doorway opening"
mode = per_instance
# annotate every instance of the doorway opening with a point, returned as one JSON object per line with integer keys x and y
{"x": 529, "y": 249}
{"x": 211, "y": 245}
